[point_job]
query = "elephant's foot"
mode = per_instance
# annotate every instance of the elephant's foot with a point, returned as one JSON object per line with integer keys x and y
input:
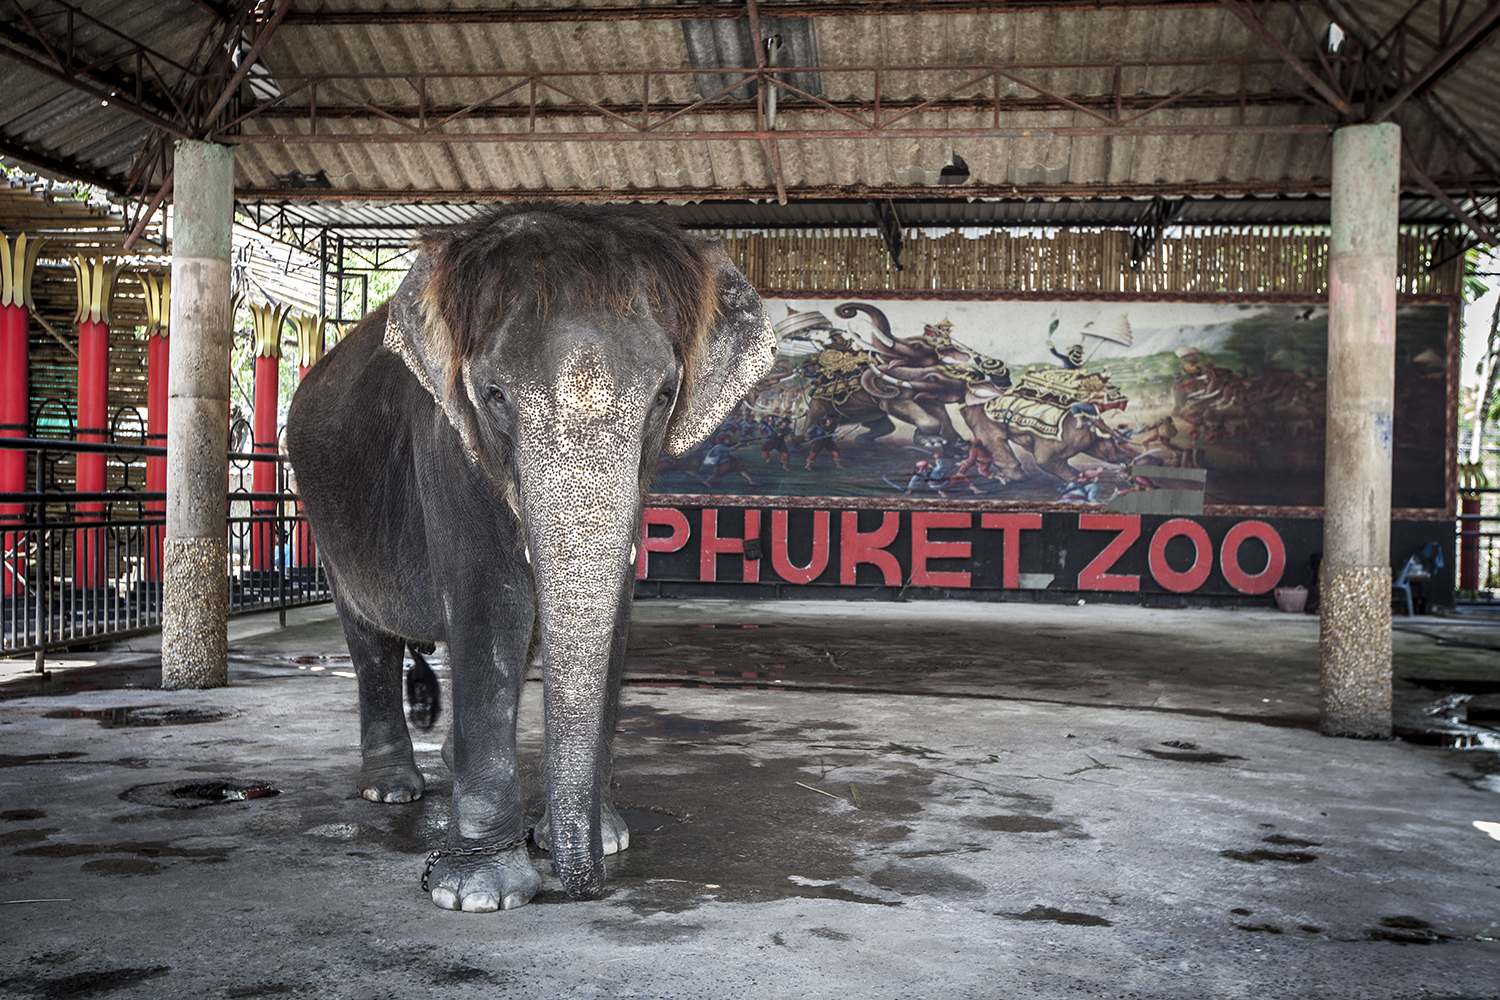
{"x": 612, "y": 830}
{"x": 388, "y": 780}
{"x": 484, "y": 883}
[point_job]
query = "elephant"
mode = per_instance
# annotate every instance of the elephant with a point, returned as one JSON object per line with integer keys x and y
{"x": 472, "y": 459}
{"x": 1052, "y": 431}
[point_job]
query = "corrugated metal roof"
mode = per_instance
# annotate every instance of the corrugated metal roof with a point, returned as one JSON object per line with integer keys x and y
{"x": 1093, "y": 55}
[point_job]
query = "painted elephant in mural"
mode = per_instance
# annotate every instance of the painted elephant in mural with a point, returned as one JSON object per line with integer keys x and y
{"x": 473, "y": 459}
{"x": 913, "y": 379}
{"x": 931, "y": 370}
{"x": 1052, "y": 414}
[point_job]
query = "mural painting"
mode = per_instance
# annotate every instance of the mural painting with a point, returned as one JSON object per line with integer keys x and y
{"x": 1059, "y": 402}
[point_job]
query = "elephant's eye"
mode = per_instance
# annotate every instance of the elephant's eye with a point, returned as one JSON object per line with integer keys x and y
{"x": 497, "y": 393}
{"x": 663, "y": 398}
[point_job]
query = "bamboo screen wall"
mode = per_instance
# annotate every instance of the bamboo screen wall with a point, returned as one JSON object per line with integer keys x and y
{"x": 1071, "y": 261}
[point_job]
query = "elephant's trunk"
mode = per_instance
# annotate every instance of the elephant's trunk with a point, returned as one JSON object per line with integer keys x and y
{"x": 579, "y": 480}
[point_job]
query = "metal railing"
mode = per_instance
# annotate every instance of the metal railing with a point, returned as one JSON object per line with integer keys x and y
{"x": 1478, "y": 576}
{"x": 79, "y": 567}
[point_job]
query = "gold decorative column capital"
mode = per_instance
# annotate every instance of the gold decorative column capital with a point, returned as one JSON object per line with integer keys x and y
{"x": 96, "y": 287}
{"x": 266, "y": 321}
{"x": 310, "y": 339}
{"x": 17, "y": 262}
{"x": 158, "y": 290}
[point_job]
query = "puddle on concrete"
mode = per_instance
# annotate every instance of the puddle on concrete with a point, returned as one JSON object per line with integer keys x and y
{"x": 645, "y": 720}
{"x": 146, "y": 715}
{"x": 121, "y": 867}
{"x": 21, "y": 815}
{"x": 194, "y": 795}
{"x": 925, "y": 880}
{"x": 1258, "y": 855}
{"x": 87, "y": 984}
{"x": 1203, "y": 757}
{"x": 1405, "y": 930}
{"x": 1069, "y": 917}
{"x": 1277, "y": 838}
{"x": 1261, "y": 928}
{"x": 137, "y": 849}
{"x": 24, "y": 759}
{"x": 1014, "y": 823}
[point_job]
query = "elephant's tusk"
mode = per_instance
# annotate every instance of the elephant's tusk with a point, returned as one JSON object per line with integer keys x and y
{"x": 527, "y": 552}
{"x": 632, "y": 554}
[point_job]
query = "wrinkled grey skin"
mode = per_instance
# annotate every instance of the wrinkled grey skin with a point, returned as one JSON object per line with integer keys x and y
{"x": 504, "y": 524}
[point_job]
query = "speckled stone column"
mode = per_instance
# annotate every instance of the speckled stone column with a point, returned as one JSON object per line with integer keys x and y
{"x": 1355, "y": 579}
{"x": 195, "y": 584}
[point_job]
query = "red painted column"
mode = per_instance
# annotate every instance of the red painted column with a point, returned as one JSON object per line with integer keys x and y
{"x": 310, "y": 347}
{"x": 158, "y": 313}
{"x": 267, "y": 322}
{"x": 1469, "y": 527}
{"x": 18, "y": 259}
{"x": 14, "y": 397}
{"x": 96, "y": 280}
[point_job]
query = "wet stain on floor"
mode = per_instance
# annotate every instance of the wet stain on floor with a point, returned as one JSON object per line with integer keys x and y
{"x": 1201, "y": 757}
{"x": 21, "y": 815}
{"x": 1258, "y": 855}
{"x": 195, "y": 795}
{"x": 1012, "y": 823}
{"x": 146, "y": 716}
{"x": 121, "y": 867}
{"x": 926, "y": 880}
{"x": 84, "y": 984}
{"x": 1405, "y": 930}
{"x": 147, "y": 849}
{"x": 1283, "y": 841}
{"x": 1051, "y": 913}
{"x": 25, "y": 759}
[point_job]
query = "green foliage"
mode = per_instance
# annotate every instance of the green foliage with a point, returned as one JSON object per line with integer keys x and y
{"x": 1275, "y": 338}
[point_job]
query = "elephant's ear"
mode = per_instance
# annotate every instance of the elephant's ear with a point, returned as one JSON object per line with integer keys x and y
{"x": 415, "y": 332}
{"x": 738, "y": 349}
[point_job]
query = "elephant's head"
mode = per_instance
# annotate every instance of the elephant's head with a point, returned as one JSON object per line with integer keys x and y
{"x": 568, "y": 346}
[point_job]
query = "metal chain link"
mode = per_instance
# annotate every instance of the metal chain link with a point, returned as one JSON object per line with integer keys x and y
{"x": 470, "y": 852}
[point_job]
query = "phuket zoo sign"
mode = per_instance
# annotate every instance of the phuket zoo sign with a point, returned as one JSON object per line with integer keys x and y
{"x": 973, "y": 444}
{"x": 961, "y": 549}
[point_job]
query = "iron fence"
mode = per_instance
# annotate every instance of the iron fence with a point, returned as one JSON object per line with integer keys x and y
{"x": 1479, "y": 543}
{"x": 79, "y": 566}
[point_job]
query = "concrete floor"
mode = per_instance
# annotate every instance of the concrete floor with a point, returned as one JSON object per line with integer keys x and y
{"x": 849, "y": 800}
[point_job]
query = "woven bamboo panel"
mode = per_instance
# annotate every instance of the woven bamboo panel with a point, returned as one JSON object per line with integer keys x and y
{"x": 1070, "y": 261}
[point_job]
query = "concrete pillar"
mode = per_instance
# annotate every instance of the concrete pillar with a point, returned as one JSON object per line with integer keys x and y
{"x": 195, "y": 591}
{"x": 1355, "y": 579}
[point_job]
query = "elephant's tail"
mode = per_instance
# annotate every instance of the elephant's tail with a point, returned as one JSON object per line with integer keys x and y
{"x": 423, "y": 703}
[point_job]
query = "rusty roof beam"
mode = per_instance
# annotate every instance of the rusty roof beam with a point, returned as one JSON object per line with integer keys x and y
{"x": 738, "y": 135}
{"x": 1477, "y": 33}
{"x": 711, "y": 11}
{"x": 1318, "y": 187}
{"x": 267, "y": 30}
{"x": 100, "y": 88}
{"x": 1251, "y": 21}
{"x": 1478, "y": 228}
{"x": 279, "y": 110}
{"x": 52, "y": 165}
